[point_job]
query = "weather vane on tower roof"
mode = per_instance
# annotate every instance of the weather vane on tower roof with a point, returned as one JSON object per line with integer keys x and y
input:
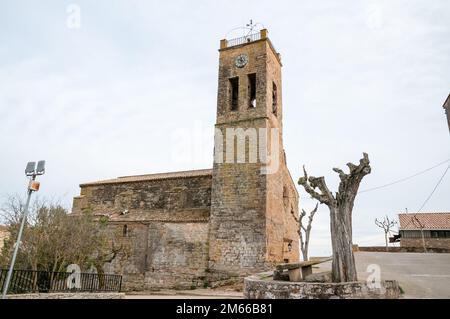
{"x": 247, "y": 30}
{"x": 250, "y": 26}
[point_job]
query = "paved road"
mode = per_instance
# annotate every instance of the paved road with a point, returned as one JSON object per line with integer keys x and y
{"x": 419, "y": 275}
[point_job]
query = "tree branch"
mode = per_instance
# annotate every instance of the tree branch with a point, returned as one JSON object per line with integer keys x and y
{"x": 341, "y": 173}
{"x": 311, "y": 183}
{"x": 311, "y": 215}
{"x": 348, "y": 188}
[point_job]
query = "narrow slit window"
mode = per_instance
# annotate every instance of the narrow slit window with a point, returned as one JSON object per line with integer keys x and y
{"x": 125, "y": 231}
{"x": 234, "y": 90}
{"x": 274, "y": 98}
{"x": 252, "y": 90}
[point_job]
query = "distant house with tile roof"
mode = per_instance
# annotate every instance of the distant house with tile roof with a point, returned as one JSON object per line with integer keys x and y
{"x": 435, "y": 228}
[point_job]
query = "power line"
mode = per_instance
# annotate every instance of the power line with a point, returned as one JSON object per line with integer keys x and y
{"x": 399, "y": 180}
{"x": 414, "y": 218}
{"x": 434, "y": 189}
{"x": 428, "y": 198}
{"x": 404, "y": 179}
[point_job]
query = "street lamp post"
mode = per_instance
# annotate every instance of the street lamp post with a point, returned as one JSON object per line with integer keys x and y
{"x": 31, "y": 171}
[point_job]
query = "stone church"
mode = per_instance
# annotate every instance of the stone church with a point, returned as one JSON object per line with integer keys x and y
{"x": 204, "y": 227}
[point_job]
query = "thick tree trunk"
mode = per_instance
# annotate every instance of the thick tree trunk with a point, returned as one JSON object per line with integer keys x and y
{"x": 305, "y": 248}
{"x": 303, "y": 245}
{"x": 343, "y": 265}
{"x": 305, "y": 254}
{"x": 386, "y": 240}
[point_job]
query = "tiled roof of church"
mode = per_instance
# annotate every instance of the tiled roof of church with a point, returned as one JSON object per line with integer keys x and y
{"x": 428, "y": 221}
{"x": 150, "y": 177}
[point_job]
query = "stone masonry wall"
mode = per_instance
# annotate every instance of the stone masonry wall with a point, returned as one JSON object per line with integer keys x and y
{"x": 257, "y": 54}
{"x": 164, "y": 233}
{"x": 442, "y": 243}
{"x": 291, "y": 216}
{"x": 282, "y": 217}
{"x": 238, "y": 203}
{"x": 248, "y": 215}
{"x": 164, "y": 255}
{"x": 237, "y": 226}
{"x": 282, "y": 197}
{"x": 147, "y": 199}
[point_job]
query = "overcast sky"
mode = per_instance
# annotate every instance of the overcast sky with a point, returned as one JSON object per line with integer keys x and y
{"x": 109, "y": 98}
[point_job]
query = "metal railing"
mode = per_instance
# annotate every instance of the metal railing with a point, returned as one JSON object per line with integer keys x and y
{"x": 30, "y": 281}
{"x": 244, "y": 39}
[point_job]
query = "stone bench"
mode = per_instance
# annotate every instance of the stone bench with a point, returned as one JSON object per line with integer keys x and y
{"x": 296, "y": 271}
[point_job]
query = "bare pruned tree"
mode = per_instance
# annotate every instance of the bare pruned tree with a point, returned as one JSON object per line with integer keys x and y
{"x": 421, "y": 226}
{"x": 341, "y": 208}
{"x": 386, "y": 224}
{"x": 304, "y": 238}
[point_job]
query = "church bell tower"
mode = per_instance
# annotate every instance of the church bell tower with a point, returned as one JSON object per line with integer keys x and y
{"x": 251, "y": 226}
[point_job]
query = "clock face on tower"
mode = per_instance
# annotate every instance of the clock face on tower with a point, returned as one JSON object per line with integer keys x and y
{"x": 241, "y": 60}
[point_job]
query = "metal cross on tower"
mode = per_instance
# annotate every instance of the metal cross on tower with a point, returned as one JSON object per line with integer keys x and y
{"x": 250, "y": 26}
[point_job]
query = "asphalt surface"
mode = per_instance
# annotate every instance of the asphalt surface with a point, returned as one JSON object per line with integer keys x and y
{"x": 419, "y": 275}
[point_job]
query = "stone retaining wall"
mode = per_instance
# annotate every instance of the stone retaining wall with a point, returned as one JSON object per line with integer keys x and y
{"x": 417, "y": 249}
{"x": 257, "y": 288}
{"x": 430, "y": 243}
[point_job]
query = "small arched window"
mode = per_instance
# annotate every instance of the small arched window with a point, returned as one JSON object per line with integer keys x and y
{"x": 125, "y": 230}
{"x": 274, "y": 99}
{"x": 234, "y": 93}
{"x": 252, "y": 90}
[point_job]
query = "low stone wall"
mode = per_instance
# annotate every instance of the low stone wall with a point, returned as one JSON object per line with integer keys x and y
{"x": 81, "y": 295}
{"x": 416, "y": 249}
{"x": 430, "y": 243}
{"x": 256, "y": 287}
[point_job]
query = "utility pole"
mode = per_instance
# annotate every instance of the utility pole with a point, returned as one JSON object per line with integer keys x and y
{"x": 446, "y": 106}
{"x": 31, "y": 171}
